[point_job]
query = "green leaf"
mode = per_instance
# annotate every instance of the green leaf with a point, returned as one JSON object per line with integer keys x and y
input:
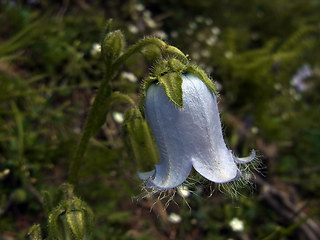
{"x": 172, "y": 83}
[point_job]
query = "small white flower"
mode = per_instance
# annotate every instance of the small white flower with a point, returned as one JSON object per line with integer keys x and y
{"x": 254, "y": 130}
{"x": 174, "y": 34}
{"x": 183, "y": 191}
{"x": 298, "y": 80}
{"x": 147, "y": 14}
{"x": 236, "y": 225}
{"x": 215, "y": 31}
{"x": 150, "y": 22}
{"x": 205, "y": 53}
{"x": 133, "y": 29}
{"x": 96, "y": 49}
{"x": 129, "y": 76}
{"x": 277, "y": 86}
{"x": 199, "y": 19}
{"x": 160, "y": 34}
{"x": 139, "y": 7}
{"x": 228, "y": 54}
{"x": 211, "y": 41}
{"x": 4, "y": 173}
{"x": 174, "y": 218}
{"x": 192, "y": 25}
{"x": 118, "y": 117}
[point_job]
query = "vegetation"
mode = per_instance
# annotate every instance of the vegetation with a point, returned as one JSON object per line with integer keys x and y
{"x": 264, "y": 58}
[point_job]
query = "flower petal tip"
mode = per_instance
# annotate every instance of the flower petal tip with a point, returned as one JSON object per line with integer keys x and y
{"x": 165, "y": 180}
{"x": 146, "y": 175}
{"x": 245, "y": 160}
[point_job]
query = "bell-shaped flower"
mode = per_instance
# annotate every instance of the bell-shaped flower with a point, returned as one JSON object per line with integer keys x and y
{"x": 188, "y": 137}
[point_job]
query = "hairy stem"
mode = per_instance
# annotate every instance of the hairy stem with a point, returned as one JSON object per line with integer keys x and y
{"x": 102, "y": 98}
{"x": 103, "y": 93}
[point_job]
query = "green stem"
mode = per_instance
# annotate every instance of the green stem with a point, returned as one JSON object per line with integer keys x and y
{"x": 102, "y": 94}
{"x": 101, "y": 98}
{"x": 120, "y": 96}
{"x": 137, "y": 48}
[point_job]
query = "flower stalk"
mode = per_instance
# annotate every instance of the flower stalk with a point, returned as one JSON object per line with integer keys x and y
{"x": 113, "y": 42}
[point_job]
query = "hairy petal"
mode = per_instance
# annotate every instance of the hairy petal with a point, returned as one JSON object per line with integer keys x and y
{"x": 210, "y": 156}
{"x": 165, "y": 121}
{"x": 188, "y": 136}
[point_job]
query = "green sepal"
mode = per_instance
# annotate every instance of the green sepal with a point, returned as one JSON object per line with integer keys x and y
{"x": 176, "y": 65}
{"x": 141, "y": 141}
{"x": 172, "y": 83}
{"x": 34, "y": 233}
{"x": 175, "y": 53}
{"x": 202, "y": 75}
{"x": 160, "y": 68}
{"x": 146, "y": 83}
{"x": 76, "y": 223}
{"x": 168, "y": 74}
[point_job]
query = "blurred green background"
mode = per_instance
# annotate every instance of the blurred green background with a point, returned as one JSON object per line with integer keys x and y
{"x": 265, "y": 59}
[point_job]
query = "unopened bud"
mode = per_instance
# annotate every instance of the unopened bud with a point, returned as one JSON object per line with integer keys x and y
{"x": 112, "y": 45}
{"x": 141, "y": 141}
{"x": 72, "y": 219}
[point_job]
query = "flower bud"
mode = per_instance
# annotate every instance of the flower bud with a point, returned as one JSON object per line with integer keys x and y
{"x": 72, "y": 219}
{"x": 112, "y": 45}
{"x": 141, "y": 140}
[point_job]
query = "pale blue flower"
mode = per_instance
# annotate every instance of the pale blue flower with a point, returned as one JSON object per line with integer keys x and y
{"x": 298, "y": 80}
{"x": 188, "y": 137}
